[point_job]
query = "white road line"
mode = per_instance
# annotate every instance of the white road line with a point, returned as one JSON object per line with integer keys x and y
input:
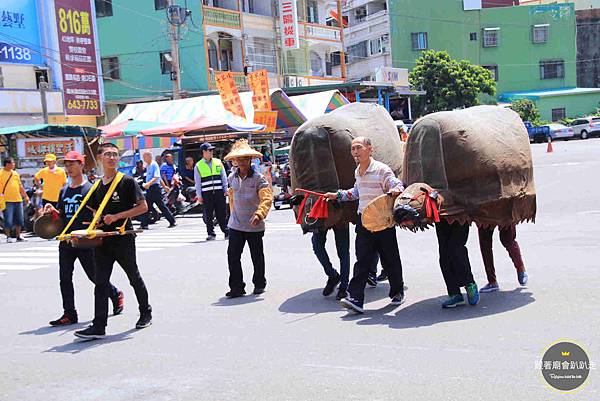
{"x": 23, "y": 256}
{"x": 153, "y": 245}
{"x": 22, "y": 259}
{"x": 22, "y": 267}
{"x": 42, "y": 248}
{"x": 150, "y": 249}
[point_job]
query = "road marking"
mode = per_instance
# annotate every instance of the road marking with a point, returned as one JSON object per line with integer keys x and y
{"x": 22, "y": 259}
{"x": 22, "y": 267}
{"x": 20, "y": 255}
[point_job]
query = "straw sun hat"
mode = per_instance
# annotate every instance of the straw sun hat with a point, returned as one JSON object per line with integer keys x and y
{"x": 242, "y": 149}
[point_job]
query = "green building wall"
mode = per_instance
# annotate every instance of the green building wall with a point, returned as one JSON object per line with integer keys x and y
{"x": 136, "y": 33}
{"x": 580, "y": 105}
{"x": 449, "y": 28}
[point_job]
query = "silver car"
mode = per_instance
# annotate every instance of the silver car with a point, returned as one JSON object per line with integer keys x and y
{"x": 559, "y": 131}
{"x": 585, "y": 127}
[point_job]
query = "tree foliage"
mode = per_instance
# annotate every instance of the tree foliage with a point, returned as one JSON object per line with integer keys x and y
{"x": 450, "y": 84}
{"x": 527, "y": 109}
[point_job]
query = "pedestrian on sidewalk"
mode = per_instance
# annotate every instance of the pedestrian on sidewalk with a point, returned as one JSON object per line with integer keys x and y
{"x": 125, "y": 202}
{"x": 342, "y": 243}
{"x": 454, "y": 263}
{"x": 373, "y": 179}
{"x": 211, "y": 186}
{"x": 12, "y": 193}
{"x": 508, "y": 237}
{"x": 250, "y": 198}
{"x": 53, "y": 178}
{"x": 69, "y": 199}
{"x": 153, "y": 192}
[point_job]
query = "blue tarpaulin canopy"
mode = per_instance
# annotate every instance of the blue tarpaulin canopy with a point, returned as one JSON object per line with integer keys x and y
{"x": 51, "y": 129}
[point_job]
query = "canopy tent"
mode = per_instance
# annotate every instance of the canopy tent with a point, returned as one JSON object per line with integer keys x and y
{"x": 314, "y": 105}
{"x": 128, "y": 128}
{"x": 51, "y": 129}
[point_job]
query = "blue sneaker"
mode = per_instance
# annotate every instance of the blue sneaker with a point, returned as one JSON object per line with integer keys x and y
{"x": 489, "y": 288}
{"x": 352, "y": 305}
{"x": 523, "y": 278}
{"x": 453, "y": 301}
{"x": 472, "y": 294}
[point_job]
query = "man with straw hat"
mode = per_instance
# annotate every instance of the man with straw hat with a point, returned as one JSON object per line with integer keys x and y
{"x": 250, "y": 199}
{"x": 53, "y": 178}
{"x": 69, "y": 199}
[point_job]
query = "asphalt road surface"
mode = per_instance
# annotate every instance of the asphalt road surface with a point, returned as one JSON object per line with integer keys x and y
{"x": 291, "y": 343}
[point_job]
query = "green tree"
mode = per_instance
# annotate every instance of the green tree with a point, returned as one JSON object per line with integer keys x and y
{"x": 449, "y": 84}
{"x": 527, "y": 109}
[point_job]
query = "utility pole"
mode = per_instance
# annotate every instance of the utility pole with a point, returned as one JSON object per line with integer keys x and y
{"x": 175, "y": 20}
{"x": 341, "y": 26}
{"x": 43, "y": 86}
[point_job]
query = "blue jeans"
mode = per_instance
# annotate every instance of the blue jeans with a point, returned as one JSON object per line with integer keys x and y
{"x": 342, "y": 244}
{"x": 13, "y": 215}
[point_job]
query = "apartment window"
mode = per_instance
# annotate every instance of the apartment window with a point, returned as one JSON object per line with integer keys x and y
{"x": 540, "y": 33}
{"x": 358, "y": 52}
{"x": 103, "y": 8}
{"x": 336, "y": 58}
{"x": 166, "y": 62}
{"x": 160, "y": 4}
{"x": 312, "y": 11}
{"x": 473, "y": 36}
{"x": 552, "y": 69}
{"x": 419, "y": 40}
{"x": 261, "y": 54}
{"x": 493, "y": 69}
{"x": 110, "y": 67}
{"x": 491, "y": 37}
{"x": 360, "y": 14}
{"x": 376, "y": 46}
{"x": 559, "y": 114}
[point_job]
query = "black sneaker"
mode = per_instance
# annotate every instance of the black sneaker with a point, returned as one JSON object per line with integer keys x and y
{"x": 172, "y": 225}
{"x": 398, "y": 299}
{"x": 20, "y": 239}
{"x": 144, "y": 321}
{"x": 383, "y": 276}
{"x": 235, "y": 293}
{"x": 258, "y": 290}
{"x": 211, "y": 237}
{"x": 64, "y": 320}
{"x": 91, "y": 333}
{"x": 332, "y": 282}
{"x": 341, "y": 294}
{"x": 352, "y": 305}
{"x": 118, "y": 303}
{"x": 372, "y": 280}
{"x": 144, "y": 228}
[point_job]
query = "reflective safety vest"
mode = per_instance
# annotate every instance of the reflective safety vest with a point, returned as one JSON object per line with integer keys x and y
{"x": 211, "y": 178}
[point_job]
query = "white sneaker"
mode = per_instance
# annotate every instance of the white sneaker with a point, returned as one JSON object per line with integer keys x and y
{"x": 10, "y": 239}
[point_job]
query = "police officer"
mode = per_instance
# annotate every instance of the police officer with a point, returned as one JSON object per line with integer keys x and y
{"x": 211, "y": 186}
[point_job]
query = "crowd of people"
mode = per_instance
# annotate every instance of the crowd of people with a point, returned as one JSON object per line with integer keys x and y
{"x": 241, "y": 200}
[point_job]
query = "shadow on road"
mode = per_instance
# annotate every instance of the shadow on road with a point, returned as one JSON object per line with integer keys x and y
{"x": 429, "y": 311}
{"x": 78, "y": 345}
{"x": 313, "y": 301}
{"x": 41, "y": 331}
{"x": 247, "y": 299}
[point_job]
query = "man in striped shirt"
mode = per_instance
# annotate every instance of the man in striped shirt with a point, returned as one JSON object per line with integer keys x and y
{"x": 373, "y": 179}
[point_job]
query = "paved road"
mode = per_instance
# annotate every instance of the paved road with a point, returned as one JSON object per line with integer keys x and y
{"x": 293, "y": 344}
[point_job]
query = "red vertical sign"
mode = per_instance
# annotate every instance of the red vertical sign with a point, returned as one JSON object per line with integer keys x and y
{"x": 76, "y": 41}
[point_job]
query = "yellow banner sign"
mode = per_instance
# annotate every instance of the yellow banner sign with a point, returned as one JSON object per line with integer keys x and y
{"x": 266, "y": 118}
{"x": 229, "y": 93}
{"x": 258, "y": 81}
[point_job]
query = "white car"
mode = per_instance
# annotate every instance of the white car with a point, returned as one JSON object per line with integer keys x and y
{"x": 560, "y": 131}
{"x": 586, "y": 126}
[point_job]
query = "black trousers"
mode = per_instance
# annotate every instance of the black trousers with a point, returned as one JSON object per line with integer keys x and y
{"x": 214, "y": 202}
{"x": 154, "y": 196}
{"x": 454, "y": 258}
{"x": 368, "y": 245}
{"x": 237, "y": 240}
{"x": 120, "y": 249}
{"x": 66, "y": 261}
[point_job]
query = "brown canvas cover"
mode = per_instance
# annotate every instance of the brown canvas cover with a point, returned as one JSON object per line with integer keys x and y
{"x": 320, "y": 158}
{"x": 479, "y": 159}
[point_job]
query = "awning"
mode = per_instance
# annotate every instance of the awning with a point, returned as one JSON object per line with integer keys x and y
{"x": 50, "y": 129}
{"x": 316, "y": 104}
{"x": 128, "y": 128}
{"x": 201, "y": 123}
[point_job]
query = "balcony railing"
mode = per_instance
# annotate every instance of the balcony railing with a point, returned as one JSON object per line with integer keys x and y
{"x": 320, "y": 32}
{"x": 238, "y": 77}
{"x": 222, "y": 17}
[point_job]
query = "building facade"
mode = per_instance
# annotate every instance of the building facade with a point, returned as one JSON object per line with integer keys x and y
{"x": 529, "y": 49}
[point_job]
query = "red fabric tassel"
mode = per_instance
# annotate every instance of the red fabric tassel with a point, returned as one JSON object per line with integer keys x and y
{"x": 319, "y": 209}
{"x": 431, "y": 209}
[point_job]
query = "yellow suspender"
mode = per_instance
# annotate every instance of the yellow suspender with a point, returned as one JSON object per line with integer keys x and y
{"x": 98, "y": 214}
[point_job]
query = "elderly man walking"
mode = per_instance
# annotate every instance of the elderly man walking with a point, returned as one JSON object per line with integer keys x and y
{"x": 373, "y": 179}
{"x": 250, "y": 199}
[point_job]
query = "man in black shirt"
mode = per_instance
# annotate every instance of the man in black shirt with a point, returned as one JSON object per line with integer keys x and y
{"x": 69, "y": 199}
{"x": 126, "y": 202}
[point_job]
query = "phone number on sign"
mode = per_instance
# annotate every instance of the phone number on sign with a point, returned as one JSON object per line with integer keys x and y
{"x": 76, "y": 104}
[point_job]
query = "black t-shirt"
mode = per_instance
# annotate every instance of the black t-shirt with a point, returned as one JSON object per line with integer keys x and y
{"x": 68, "y": 203}
{"x": 123, "y": 198}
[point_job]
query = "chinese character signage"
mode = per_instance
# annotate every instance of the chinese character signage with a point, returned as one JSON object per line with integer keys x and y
{"x": 78, "y": 57}
{"x": 289, "y": 24}
{"x": 266, "y": 118}
{"x": 229, "y": 93}
{"x": 258, "y": 81}
{"x": 38, "y": 148}
{"x": 19, "y": 32}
